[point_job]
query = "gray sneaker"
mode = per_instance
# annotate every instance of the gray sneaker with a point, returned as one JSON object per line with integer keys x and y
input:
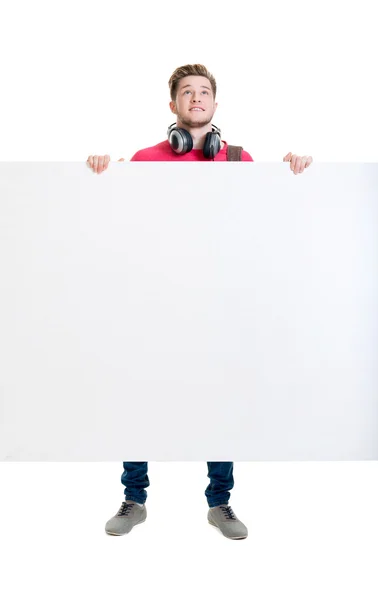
{"x": 129, "y": 514}
{"x": 225, "y": 519}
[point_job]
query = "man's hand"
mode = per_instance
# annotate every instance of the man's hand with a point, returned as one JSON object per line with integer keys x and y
{"x": 298, "y": 163}
{"x": 99, "y": 163}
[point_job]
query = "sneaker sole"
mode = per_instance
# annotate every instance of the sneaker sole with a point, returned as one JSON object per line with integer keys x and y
{"x": 126, "y": 532}
{"x": 239, "y": 537}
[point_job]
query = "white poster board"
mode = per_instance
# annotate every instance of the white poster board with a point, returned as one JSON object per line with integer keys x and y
{"x": 191, "y": 311}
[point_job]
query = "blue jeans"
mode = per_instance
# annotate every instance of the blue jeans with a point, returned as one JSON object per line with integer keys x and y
{"x": 135, "y": 478}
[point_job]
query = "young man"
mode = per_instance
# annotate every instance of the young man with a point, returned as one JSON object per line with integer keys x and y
{"x": 192, "y": 137}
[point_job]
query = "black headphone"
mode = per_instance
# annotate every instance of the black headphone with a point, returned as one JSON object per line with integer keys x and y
{"x": 182, "y": 142}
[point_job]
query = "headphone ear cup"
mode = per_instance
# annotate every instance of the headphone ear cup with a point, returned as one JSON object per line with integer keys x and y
{"x": 212, "y": 145}
{"x": 180, "y": 140}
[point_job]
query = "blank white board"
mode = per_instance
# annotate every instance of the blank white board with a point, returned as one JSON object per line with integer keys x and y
{"x": 195, "y": 311}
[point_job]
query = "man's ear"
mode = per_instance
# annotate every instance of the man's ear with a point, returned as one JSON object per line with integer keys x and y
{"x": 216, "y": 106}
{"x": 172, "y": 106}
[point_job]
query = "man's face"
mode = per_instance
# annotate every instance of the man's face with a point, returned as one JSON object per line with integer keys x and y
{"x": 194, "y": 105}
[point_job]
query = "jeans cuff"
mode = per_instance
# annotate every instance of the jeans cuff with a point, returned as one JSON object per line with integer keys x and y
{"x": 134, "y": 499}
{"x": 217, "y": 503}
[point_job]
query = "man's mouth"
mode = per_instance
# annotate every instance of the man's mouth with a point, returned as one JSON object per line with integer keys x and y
{"x": 197, "y": 108}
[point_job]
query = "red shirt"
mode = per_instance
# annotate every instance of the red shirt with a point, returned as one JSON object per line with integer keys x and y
{"x": 164, "y": 152}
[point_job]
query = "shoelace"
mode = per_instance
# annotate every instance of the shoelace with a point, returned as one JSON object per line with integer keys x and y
{"x": 125, "y": 508}
{"x": 228, "y": 512}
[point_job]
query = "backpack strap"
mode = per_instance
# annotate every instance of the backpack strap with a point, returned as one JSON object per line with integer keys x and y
{"x": 234, "y": 152}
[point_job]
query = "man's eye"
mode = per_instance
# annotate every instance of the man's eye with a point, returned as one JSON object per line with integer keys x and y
{"x": 205, "y": 92}
{"x": 187, "y": 92}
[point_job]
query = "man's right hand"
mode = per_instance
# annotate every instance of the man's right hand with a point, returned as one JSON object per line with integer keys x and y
{"x": 99, "y": 163}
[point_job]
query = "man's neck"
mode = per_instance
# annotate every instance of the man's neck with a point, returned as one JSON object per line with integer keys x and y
{"x": 198, "y": 134}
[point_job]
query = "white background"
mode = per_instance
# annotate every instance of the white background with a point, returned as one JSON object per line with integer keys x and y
{"x": 89, "y": 77}
{"x": 92, "y": 77}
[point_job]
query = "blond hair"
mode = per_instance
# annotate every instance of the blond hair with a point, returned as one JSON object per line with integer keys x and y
{"x": 186, "y": 70}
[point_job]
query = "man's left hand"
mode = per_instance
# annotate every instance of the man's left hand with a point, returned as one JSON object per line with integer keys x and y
{"x": 298, "y": 163}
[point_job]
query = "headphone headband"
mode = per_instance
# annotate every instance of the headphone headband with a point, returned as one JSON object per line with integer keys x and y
{"x": 214, "y": 128}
